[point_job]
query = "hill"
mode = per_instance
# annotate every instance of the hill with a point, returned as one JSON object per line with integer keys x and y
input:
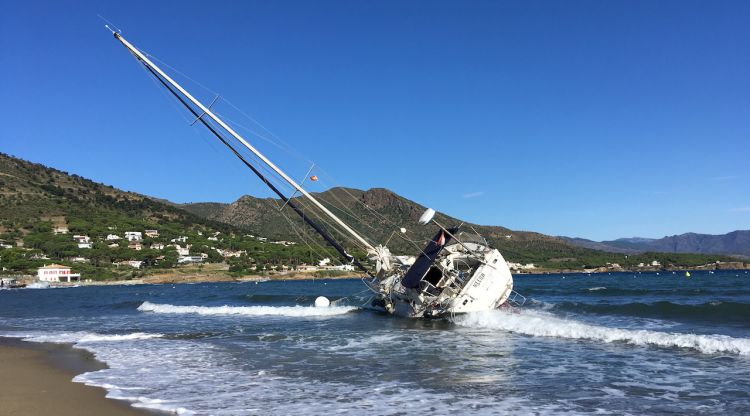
{"x": 379, "y": 214}
{"x": 50, "y": 216}
{"x": 47, "y": 215}
{"x": 735, "y": 243}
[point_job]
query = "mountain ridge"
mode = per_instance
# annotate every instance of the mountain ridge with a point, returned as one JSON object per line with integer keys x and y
{"x": 733, "y": 243}
{"x": 37, "y": 198}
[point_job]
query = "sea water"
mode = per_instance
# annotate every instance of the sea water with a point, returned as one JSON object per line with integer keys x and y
{"x": 619, "y": 343}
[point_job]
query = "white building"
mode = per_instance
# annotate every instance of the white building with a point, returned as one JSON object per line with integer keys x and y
{"x": 181, "y": 251}
{"x": 190, "y": 259}
{"x": 157, "y": 246}
{"x": 306, "y": 268}
{"x": 342, "y": 267}
{"x": 655, "y": 263}
{"x": 61, "y": 229}
{"x": 133, "y": 235}
{"x": 151, "y": 233}
{"x": 131, "y": 263}
{"x": 56, "y": 273}
{"x": 79, "y": 259}
{"x": 112, "y": 237}
{"x": 180, "y": 239}
{"x": 231, "y": 253}
{"x": 519, "y": 266}
{"x": 81, "y": 238}
{"x": 84, "y": 245}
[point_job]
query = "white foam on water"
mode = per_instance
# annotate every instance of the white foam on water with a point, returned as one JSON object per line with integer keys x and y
{"x": 595, "y": 289}
{"x": 290, "y": 311}
{"x": 186, "y": 377}
{"x": 543, "y": 324}
{"x": 78, "y": 337}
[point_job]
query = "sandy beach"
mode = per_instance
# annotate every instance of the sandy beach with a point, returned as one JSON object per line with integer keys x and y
{"x": 37, "y": 380}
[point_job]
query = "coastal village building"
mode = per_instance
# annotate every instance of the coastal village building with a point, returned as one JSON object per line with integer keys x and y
{"x": 136, "y": 264}
{"x": 190, "y": 259}
{"x": 113, "y": 245}
{"x": 135, "y": 245}
{"x": 60, "y": 230}
{"x": 231, "y": 253}
{"x": 79, "y": 259}
{"x": 181, "y": 251}
{"x": 83, "y": 241}
{"x": 519, "y": 266}
{"x": 56, "y": 273}
{"x": 306, "y": 268}
{"x": 341, "y": 267}
{"x": 112, "y": 237}
{"x": 157, "y": 246}
{"x": 151, "y": 233}
{"x": 133, "y": 235}
{"x": 81, "y": 238}
{"x": 180, "y": 239}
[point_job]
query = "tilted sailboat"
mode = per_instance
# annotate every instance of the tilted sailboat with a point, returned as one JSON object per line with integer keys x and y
{"x": 456, "y": 272}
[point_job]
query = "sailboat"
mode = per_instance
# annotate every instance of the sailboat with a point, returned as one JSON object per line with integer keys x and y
{"x": 456, "y": 272}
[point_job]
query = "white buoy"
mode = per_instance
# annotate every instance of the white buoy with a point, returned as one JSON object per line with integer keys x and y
{"x": 322, "y": 302}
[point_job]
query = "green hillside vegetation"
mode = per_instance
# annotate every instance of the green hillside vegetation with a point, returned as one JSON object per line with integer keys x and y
{"x": 35, "y": 199}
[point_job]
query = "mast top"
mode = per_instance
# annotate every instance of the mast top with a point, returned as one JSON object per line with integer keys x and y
{"x": 206, "y": 111}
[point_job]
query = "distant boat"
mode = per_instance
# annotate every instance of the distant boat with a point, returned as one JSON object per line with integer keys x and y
{"x": 456, "y": 272}
{"x": 687, "y": 274}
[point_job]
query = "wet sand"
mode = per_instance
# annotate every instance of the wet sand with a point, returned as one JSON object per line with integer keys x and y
{"x": 36, "y": 380}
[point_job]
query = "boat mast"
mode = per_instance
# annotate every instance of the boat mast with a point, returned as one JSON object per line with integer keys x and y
{"x": 244, "y": 142}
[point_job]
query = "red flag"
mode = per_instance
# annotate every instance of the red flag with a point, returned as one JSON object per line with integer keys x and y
{"x": 314, "y": 178}
{"x": 441, "y": 240}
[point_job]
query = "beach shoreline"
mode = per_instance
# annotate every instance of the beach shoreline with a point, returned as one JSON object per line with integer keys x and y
{"x": 38, "y": 380}
{"x": 176, "y": 277}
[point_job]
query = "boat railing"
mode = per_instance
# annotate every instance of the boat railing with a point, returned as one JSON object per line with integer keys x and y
{"x": 516, "y": 299}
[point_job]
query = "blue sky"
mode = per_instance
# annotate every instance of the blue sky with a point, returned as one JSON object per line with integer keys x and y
{"x": 579, "y": 118}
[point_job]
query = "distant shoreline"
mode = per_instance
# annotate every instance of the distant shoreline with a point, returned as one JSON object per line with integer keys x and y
{"x": 217, "y": 276}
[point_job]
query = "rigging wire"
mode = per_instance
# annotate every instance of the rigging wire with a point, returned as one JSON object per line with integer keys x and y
{"x": 278, "y": 142}
{"x": 330, "y": 240}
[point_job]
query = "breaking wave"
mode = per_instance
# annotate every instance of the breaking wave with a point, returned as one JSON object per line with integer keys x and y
{"x": 291, "y": 311}
{"x": 79, "y": 337}
{"x": 541, "y": 324}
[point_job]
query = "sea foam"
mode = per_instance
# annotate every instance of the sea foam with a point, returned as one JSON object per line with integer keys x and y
{"x": 290, "y": 311}
{"x": 78, "y": 337}
{"x": 543, "y": 324}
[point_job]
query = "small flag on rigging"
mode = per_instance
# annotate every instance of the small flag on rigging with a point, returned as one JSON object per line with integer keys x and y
{"x": 314, "y": 178}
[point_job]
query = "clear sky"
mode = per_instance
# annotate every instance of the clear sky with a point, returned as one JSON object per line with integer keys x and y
{"x": 598, "y": 119}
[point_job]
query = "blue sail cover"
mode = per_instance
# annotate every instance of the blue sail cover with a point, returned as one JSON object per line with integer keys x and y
{"x": 419, "y": 269}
